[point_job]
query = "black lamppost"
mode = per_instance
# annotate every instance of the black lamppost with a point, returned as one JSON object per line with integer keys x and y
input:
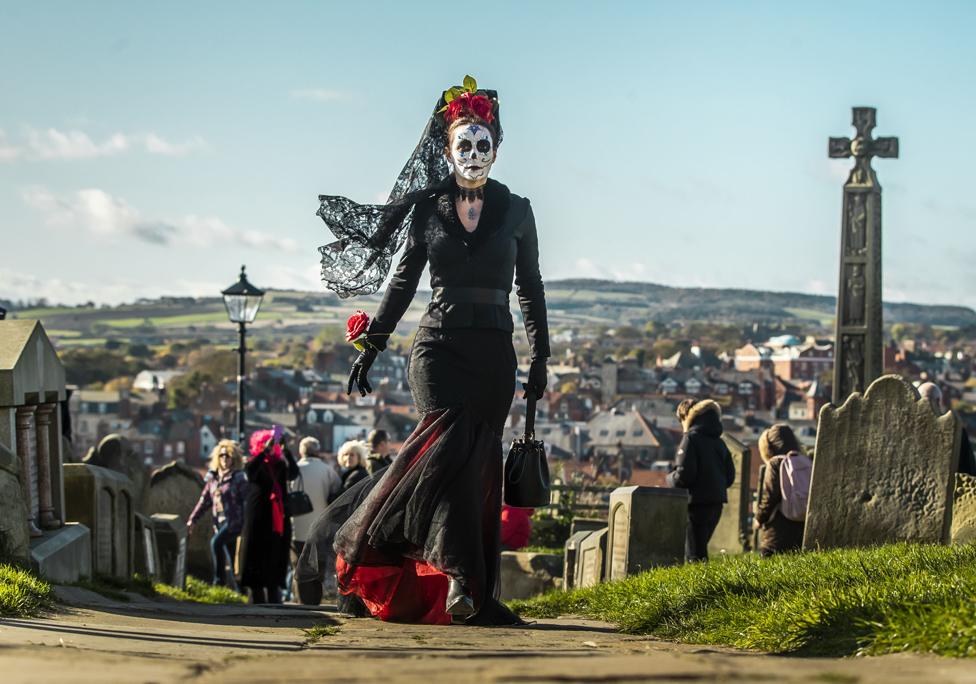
{"x": 242, "y": 301}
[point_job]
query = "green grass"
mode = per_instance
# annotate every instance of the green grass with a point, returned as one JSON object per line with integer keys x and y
{"x": 22, "y": 594}
{"x": 317, "y": 632}
{"x": 169, "y": 321}
{"x": 118, "y": 589}
{"x": 873, "y": 601}
{"x": 199, "y": 592}
{"x": 542, "y": 549}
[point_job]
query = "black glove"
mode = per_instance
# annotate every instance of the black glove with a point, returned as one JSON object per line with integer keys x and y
{"x": 538, "y": 378}
{"x": 360, "y": 368}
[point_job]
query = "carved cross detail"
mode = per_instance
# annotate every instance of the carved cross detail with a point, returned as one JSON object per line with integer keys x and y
{"x": 863, "y": 147}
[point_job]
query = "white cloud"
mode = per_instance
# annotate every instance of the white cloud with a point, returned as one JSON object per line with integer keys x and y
{"x": 23, "y": 286}
{"x": 102, "y": 214}
{"x": 319, "y": 95}
{"x": 156, "y": 145}
{"x": 51, "y": 143}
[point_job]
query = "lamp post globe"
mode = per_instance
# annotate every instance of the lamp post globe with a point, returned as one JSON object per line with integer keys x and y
{"x": 242, "y": 301}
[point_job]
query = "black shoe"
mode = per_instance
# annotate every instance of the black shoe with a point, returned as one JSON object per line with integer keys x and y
{"x": 458, "y": 604}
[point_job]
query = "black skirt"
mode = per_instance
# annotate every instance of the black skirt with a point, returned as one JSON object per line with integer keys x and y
{"x": 434, "y": 514}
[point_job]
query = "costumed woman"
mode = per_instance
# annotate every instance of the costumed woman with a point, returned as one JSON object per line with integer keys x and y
{"x": 266, "y": 534}
{"x": 419, "y": 541}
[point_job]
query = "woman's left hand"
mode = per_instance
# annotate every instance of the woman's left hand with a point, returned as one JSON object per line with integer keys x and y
{"x": 538, "y": 378}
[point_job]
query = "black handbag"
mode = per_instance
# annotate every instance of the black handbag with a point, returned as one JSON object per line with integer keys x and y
{"x": 526, "y": 468}
{"x": 297, "y": 502}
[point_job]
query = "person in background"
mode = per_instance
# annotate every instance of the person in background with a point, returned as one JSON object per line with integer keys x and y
{"x": 516, "y": 527}
{"x": 967, "y": 460}
{"x": 352, "y": 458}
{"x": 224, "y": 490}
{"x": 320, "y": 482}
{"x": 379, "y": 451}
{"x": 266, "y": 535}
{"x": 703, "y": 466}
{"x": 780, "y": 528}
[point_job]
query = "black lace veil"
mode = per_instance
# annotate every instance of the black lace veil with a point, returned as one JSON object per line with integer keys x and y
{"x": 369, "y": 235}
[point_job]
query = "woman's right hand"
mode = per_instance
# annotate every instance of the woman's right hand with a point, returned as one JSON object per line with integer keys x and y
{"x": 360, "y": 368}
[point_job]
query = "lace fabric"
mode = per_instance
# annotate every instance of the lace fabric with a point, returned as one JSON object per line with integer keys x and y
{"x": 369, "y": 235}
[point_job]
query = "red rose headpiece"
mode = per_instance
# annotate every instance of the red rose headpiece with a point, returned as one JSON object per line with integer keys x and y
{"x": 465, "y": 101}
{"x": 467, "y": 104}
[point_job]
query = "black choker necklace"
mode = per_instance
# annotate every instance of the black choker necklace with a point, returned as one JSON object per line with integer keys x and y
{"x": 470, "y": 194}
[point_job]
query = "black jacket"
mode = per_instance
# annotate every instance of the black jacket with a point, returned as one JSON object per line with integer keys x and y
{"x": 703, "y": 464}
{"x": 502, "y": 248}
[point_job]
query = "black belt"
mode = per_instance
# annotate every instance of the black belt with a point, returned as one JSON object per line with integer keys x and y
{"x": 470, "y": 295}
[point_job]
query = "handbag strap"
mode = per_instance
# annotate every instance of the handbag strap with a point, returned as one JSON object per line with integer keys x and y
{"x": 529, "y": 413}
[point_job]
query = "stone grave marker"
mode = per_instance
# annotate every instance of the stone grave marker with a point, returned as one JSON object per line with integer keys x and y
{"x": 101, "y": 500}
{"x": 525, "y": 574}
{"x": 570, "y": 554}
{"x": 14, "y": 531}
{"x": 646, "y": 530}
{"x": 586, "y": 525}
{"x": 115, "y": 453}
{"x": 146, "y": 552}
{"x": 964, "y": 510}
{"x": 731, "y": 534}
{"x": 884, "y": 470}
{"x": 589, "y": 559}
{"x": 859, "y": 335}
{"x": 175, "y": 489}
{"x": 171, "y": 542}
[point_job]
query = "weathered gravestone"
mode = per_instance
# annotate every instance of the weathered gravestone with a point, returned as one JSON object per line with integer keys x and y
{"x": 884, "y": 471}
{"x": 589, "y": 559}
{"x": 146, "y": 551}
{"x": 964, "y": 510}
{"x": 646, "y": 530}
{"x": 175, "y": 489}
{"x": 731, "y": 534}
{"x": 586, "y": 525}
{"x": 101, "y": 499}
{"x": 172, "y": 546}
{"x": 115, "y": 453}
{"x": 14, "y": 531}
{"x": 525, "y": 574}
{"x": 570, "y": 555}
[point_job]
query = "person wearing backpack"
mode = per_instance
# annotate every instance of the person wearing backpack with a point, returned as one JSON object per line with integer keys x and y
{"x": 703, "y": 466}
{"x": 782, "y": 505}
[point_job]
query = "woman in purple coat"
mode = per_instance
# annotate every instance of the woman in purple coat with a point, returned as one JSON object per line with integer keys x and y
{"x": 223, "y": 493}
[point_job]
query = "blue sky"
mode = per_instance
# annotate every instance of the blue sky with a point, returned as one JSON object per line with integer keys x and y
{"x": 151, "y": 148}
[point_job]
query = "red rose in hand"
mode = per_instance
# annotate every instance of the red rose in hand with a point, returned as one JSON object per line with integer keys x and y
{"x": 356, "y": 325}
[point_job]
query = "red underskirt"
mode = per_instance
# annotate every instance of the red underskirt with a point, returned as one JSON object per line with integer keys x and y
{"x": 414, "y": 591}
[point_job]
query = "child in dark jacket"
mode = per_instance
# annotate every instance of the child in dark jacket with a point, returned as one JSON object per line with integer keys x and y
{"x": 777, "y": 533}
{"x": 704, "y": 467}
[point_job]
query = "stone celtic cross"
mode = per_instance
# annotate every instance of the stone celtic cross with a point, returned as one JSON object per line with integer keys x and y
{"x": 859, "y": 338}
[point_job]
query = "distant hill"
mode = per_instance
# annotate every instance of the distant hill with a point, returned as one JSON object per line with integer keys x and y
{"x": 572, "y": 303}
{"x": 664, "y": 303}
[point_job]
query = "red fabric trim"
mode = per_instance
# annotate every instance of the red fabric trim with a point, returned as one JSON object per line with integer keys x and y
{"x": 413, "y": 591}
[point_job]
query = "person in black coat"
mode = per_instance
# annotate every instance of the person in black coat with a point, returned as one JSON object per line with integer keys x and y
{"x": 351, "y": 458}
{"x": 266, "y": 534}
{"x": 703, "y": 466}
{"x": 423, "y": 545}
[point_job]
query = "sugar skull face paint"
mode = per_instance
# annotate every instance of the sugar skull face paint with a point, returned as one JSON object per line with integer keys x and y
{"x": 472, "y": 151}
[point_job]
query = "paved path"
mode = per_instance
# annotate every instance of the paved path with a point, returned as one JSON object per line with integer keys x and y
{"x": 96, "y": 640}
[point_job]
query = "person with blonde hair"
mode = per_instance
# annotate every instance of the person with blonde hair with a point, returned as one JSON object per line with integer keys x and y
{"x": 352, "y": 459}
{"x": 223, "y": 493}
{"x": 785, "y": 486}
